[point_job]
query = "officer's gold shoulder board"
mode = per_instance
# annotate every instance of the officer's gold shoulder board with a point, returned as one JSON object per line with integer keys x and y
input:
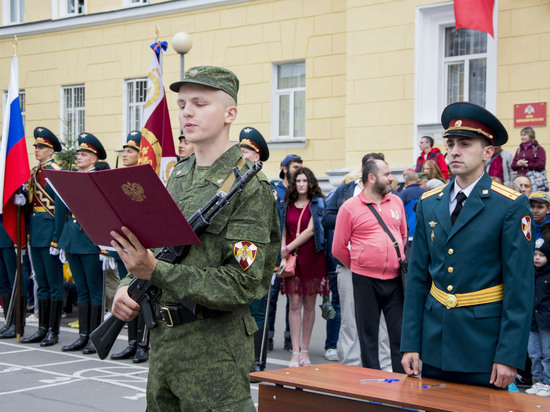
{"x": 432, "y": 192}
{"x": 55, "y": 166}
{"x": 504, "y": 191}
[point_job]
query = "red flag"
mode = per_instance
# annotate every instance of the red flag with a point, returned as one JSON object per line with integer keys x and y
{"x": 14, "y": 161}
{"x": 157, "y": 143}
{"x": 475, "y": 15}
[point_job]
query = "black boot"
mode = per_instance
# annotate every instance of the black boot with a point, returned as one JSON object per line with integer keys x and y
{"x": 142, "y": 351}
{"x": 130, "y": 350}
{"x": 11, "y": 331}
{"x": 83, "y": 328}
{"x": 257, "y": 349}
{"x": 95, "y": 321}
{"x": 43, "y": 322}
{"x": 52, "y": 337}
{"x": 5, "y": 305}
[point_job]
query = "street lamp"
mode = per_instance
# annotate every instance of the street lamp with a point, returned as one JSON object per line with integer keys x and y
{"x": 182, "y": 43}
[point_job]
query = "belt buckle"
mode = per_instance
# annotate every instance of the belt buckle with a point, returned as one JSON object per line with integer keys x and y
{"x": 450, "y": 301}
{"x": 166, "y": 316}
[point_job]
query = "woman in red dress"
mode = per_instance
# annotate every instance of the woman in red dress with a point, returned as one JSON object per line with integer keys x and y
{"x": 304, "y": 203}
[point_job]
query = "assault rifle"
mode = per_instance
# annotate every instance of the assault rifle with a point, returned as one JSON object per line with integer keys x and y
{"x": 143, "y": 291}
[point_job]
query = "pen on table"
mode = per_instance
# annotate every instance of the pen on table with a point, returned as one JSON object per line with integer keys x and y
{"x": 380, "y": 380}
{"x": 440, "y": 385}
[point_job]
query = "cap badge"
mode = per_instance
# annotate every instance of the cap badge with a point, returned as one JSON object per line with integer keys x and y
{"x": 134, "y": 133}
{"x": 247, "y": 130}
{"x": 458, "y": 123}
{"x": 193, "y": 73}
{"x": 40, "y": 130}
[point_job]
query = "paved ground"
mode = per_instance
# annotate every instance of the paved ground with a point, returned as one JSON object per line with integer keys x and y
{"x": 33, "y": 378}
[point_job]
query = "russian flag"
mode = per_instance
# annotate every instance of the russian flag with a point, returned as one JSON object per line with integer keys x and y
{"x": 14, "y": 161}
{"x": 475, "y": 15}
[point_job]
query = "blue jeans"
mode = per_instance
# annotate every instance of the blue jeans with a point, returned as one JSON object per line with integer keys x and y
{"x": 333, "y": 326}
{"x": 539, "y": 352}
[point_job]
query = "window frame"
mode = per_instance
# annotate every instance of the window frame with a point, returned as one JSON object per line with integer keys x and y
{"x": 7, "y": 12}
{"x": 60, "y": 9}
{"x": 287, "y": 141}
{"x": 63, "y": 111}
{"x": 22, "y": 103}
{"x": 126, "y": 106}
{"x": 134, "y": 3}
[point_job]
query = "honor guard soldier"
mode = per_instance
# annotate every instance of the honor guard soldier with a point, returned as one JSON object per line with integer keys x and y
{"x": 8, "y": 267}
{"x": 136, "y": 349}
{"x": 81, "y": 253}
{"x": 200, "y": 360}
{"x": 254, "y": 148}
{"x": 48, "y": 269}
{"x": 185, "y": 148}
{"x": 469, "y": 292}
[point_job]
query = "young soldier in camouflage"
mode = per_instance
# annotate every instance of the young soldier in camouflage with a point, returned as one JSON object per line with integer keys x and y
{"x": 203, "y": 364}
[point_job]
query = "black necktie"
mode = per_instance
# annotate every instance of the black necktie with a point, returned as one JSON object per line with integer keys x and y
{"x": 460, "y": 197}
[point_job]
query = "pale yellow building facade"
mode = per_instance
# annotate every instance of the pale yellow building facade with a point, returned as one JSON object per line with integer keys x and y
{"x": 365, "y": 75}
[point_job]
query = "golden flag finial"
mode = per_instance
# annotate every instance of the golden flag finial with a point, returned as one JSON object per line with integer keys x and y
{"x": 157, "y": 32}
{"x": 15, "y": 45}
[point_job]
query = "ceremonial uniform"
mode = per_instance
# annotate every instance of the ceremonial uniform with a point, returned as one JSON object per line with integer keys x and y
{"x": 83, "y": 259}
{"x": 8, "y": 267}
{"x": 48, "y": 269}
{"x": 204, "y": 364}
{"x": 469, "y": 292}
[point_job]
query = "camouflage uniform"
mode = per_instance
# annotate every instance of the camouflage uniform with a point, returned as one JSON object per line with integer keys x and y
{"x": 203, "y": 365}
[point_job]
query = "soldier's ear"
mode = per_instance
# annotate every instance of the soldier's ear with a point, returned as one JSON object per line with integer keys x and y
{"x": 488, "y": 152}
{"x": 230, "y": 114}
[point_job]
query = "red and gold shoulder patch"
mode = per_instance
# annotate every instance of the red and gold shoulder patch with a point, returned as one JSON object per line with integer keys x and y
{"x": 526, "y": 227}
{"x": 245, "y": 253}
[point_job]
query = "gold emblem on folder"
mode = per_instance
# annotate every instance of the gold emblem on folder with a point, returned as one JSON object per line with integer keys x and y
{"x": 134, "y": 191}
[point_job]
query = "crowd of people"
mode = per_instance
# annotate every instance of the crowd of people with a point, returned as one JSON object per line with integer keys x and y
{"x": 454, "y": 212}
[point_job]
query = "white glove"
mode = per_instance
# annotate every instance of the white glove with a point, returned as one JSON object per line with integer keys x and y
{"x": 63, "y": 256}
{"x": 104, "y": 261}
{"x": 54, "y": 251}
{"x": 19, "y": 199}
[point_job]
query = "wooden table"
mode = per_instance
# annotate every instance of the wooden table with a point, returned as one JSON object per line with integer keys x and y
{"x": 334, "y": 387}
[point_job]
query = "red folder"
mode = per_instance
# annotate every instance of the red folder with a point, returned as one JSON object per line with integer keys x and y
{"x": 132, "y": 196}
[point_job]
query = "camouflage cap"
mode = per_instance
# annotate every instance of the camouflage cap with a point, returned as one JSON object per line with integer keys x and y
{"x": 211, "y": 76}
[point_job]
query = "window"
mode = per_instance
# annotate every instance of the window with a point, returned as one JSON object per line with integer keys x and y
{"x": 68, "y": 8}
{"x": 134, "y": 98}
{"x": 21, "y": 102}
{"x": 13, "y": 11}
{"x": 289, "y": 100}
{"x": 450, "y": 65}
{"x": 130, "y": 3}
{"x": 466, "y": 65}
{"x": 72, "y": 109}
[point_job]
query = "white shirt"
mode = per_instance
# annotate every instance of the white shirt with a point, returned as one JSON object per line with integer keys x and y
{"x": 456, "y": 189}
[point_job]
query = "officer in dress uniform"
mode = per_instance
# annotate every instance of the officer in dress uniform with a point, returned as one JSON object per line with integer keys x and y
{"x": 200, "y": 359}
{"x": 469, "y": 292}
{"x": 47, "y": 267}
{"x": 254, "y": 148}
{"x": 8, "y": 267}
{"x": 82, "y": 254}
{"x": 136, "y": 349}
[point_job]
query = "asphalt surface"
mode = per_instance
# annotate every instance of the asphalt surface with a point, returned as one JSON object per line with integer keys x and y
{"x": 33, "y": 378}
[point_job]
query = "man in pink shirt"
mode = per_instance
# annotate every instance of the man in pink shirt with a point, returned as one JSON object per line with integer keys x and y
{"x": 373, "y": 260}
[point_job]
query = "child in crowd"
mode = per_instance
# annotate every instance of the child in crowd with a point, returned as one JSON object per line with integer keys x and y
{"x": 539, "y": 337}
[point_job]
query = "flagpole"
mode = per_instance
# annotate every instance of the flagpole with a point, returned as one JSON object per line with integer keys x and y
{"x": 18, "y": 320}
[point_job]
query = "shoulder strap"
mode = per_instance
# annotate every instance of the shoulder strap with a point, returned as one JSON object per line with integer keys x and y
{"x": 230, "y": 179}
{"x": 377, "y": 216}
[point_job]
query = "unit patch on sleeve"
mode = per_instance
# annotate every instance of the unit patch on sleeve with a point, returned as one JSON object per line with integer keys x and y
{"x": 245, "y": 253}
{"x": 526, "y": 227}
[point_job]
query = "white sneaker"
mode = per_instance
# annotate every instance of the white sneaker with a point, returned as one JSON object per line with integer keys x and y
{"x": 331, "y": 355}
{"x": 544, "y": 390}
{"x": 535, "y": 388}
